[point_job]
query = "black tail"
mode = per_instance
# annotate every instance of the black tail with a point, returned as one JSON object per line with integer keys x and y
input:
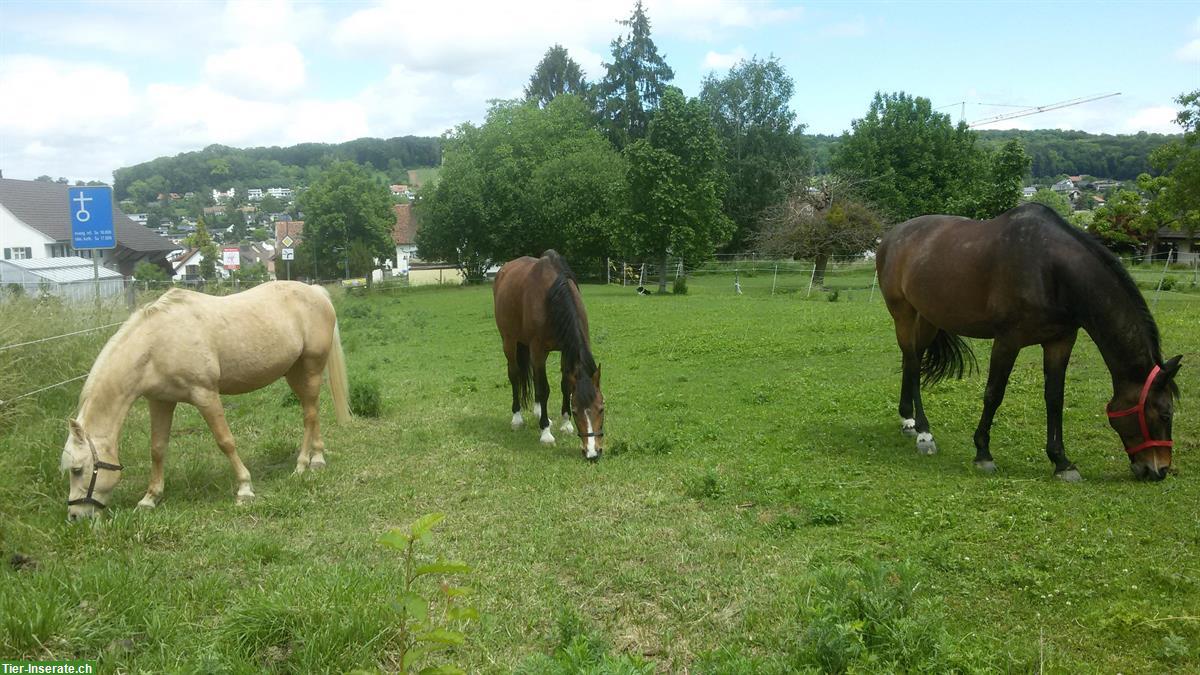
{"x": 525, "y": 378}
{"x": 948, "y": 356}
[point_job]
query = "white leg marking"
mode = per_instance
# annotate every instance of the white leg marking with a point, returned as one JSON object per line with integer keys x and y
{"x": 908, "y": 423}
{"x": 567, "y": 427}
{"x": 537, "y": 410}
{"x": 925, "y": 444}
{"x": 517, "y": 421}
{"x": 924, "y": 437}
{"x": 547, "y": 437}
{"x": 591, "y": 440}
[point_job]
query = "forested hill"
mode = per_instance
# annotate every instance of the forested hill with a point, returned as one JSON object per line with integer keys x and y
{"x": 1054, "y": 152}
{"x": 222, "y": 167}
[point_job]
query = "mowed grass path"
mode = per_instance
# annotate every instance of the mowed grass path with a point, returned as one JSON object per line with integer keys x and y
{"x": 754, "y": 466}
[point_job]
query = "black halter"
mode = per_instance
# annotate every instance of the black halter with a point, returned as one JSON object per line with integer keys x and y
{"x": 96, "y": 466}
{"x": 592, "y": 434}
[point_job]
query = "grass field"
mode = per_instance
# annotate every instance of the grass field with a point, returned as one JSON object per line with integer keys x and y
{"x": 757, "y": 510}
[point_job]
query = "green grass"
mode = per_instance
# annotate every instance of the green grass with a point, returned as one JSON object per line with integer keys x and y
{"x": 757, "y": 510}
{"x": 425, "y": 176}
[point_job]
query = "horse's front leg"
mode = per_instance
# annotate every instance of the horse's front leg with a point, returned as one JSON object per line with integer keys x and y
{"x": 1004, "y": 355}
{"x": 1055, "y": 357}
{"x": 541, "y": 392}
{"x": 566, "y": 426}
{"x": 161, "y": 415}
{"x": 209, "y": 404}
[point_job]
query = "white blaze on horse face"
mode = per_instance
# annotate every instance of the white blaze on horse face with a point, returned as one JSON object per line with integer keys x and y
{"x": 591, "y": 440}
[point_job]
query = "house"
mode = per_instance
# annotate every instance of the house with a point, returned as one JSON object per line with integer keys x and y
{"x": 1063, "y": 186}
{"x": 254, "y": 194}
{"x": 1029, "y": 192}
{"x": 404, "y": 236}
{"x": 35, "y": 222}
{"x": 280, "y": 192}
{"x": 187, "y": 267}
{"x": 70, "y": 277}
{"x": 219, "y": 196}
{"x": 398, "y": 190}
{"x": 1104, "y": 184}
{"x": 1184, "y": 246}
{"x": 140, "y": 218}
{"x": 289, "y": 228}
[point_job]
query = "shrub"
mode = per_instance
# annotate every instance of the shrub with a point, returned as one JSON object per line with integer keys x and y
{"x": 680, "y": 287}
{"x": 366, "y": 399}
{"x": 832, "y": 296}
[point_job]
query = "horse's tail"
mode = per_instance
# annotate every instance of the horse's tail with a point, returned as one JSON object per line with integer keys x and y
{"x": 339, "y": 382}
{"x": 524, "y": 376}
{"x": 948, "y": 356}
{"x": 335, "y": 366}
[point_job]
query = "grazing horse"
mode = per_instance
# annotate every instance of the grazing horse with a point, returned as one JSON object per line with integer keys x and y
{"x": 189, "y": 347}
{"x": 1023, "y": 278}
{"x": 539, "y": 310}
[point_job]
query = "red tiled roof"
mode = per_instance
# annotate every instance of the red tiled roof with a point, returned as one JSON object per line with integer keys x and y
{"x": 404, "y": 232}
{"x": 283, "y": 228}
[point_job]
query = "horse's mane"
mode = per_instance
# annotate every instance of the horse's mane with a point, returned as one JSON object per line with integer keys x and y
{"x": 1109, "y": 260}
{"x": 164, "y": 303}
{"x": 565, "y": 319}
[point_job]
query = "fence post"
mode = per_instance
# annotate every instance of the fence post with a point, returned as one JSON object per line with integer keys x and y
{"x": 607, "y": 271}
{"x": 623, "y": 275}
{"x": 775, "y": 279}
{"x": 874, "y": 280}
{"x": 810, "y": 281}
{"x": 1162, "y": 277}
{"x": 131, "y": 295}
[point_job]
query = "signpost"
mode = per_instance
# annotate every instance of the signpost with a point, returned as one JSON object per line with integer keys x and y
{"x": 92, "y": 223}
{"x": 288, "y": 253}
{"x": 231, "y": 256}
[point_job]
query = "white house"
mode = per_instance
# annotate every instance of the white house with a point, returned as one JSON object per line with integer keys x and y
{"x": 187, "y": 267}
{"x": 1064, "y": 185}
{"x": 404, "y": 236}
{"x": 219, "y": 196}
{"x": 1028, "y": 192}
{"x": 254, "y": 194}
{"x": 35, "y": 222}
{"x": 280, "y": 192}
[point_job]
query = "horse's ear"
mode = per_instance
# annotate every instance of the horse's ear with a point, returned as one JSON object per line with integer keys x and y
{"x": 76, "y": 429}
{"x": 596, "y": 376}
{"x": 1172, "y": 366}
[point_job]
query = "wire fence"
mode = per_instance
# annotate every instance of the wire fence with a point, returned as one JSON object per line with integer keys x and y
{"x": 844, "y": 278}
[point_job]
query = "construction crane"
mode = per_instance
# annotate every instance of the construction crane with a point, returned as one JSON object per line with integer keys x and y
{"x": 1038, "y": 109}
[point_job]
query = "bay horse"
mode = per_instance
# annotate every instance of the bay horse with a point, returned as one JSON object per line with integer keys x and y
{"x": 188, "y": 347}
{"x": 539, "y": 310}
{"x": 1023, "y": 278}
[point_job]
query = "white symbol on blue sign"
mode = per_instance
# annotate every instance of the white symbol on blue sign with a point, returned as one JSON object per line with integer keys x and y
{"x": 91, "y": 211}
{"x": 83, "y": 215}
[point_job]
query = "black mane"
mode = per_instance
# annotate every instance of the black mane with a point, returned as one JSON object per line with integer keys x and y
{"x": 565, "y": 319}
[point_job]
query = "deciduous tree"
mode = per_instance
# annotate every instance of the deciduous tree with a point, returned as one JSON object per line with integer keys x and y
{"x": 342, "y": 207}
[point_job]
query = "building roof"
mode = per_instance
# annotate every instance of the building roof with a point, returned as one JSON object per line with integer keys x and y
{"x": 404, "y": 231}
{"x": 293, "y": 228}
{"x": 43, "y": 206}
{"x": 63, "y": 270}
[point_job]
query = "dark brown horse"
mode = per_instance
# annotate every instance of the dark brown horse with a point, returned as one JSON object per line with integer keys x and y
{"x": 1023, "y": 278}
{"x": 539, "y": 310}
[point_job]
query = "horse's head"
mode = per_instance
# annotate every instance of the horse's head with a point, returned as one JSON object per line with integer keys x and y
{"x": 91, "y": 478}
{"x": 1140, "y": 413}
{"x": 589, "y": 414}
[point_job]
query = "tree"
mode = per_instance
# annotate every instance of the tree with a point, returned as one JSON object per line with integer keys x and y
{"x": 675, "y": 187}
{"x": 819, "y": 221}
{"x": 527, "y": 180}
{"x": 1119, "y": 221}
{"x": 762, "y": 143}
{"x": 201, "y": 240}
{"x": 557, "y": 73}
{"x": 148, "y": 271}
{"x": 44, "y": 179}
{"x": 634, "y": 82}
{"x": 910, "y": 159}
{"x": 343, "y": 207}
{"x": 253, "y": 273}
{"x": 1048, "y": 197}
{"x": 1177, "y": 191}
{"x": 1001, "y": 190}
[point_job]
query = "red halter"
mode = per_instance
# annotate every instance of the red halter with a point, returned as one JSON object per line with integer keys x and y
{"x": 1140, "y": 411}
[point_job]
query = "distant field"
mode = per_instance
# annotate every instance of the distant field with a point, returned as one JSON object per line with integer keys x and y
{"x": 757, "y": 510}
{"x": 424, "y": 176}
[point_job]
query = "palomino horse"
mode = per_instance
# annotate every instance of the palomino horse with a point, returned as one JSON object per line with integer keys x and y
{"x": 539, "y": 310}
{"x": 1025, "y": 277}
{"x": 189, "y": 347}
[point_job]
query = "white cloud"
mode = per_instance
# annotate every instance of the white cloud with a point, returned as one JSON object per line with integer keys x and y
{"x": 1189, "y": 53}
{"x": 1159, "y": 119}
{"x": 261, "y": 71}
{"x": 718, "y": 61}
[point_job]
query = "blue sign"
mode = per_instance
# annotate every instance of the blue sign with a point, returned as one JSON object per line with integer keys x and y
{"x": 91, "y": 218}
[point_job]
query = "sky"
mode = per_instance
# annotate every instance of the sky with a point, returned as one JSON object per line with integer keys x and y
{"x": 88, "y": 87}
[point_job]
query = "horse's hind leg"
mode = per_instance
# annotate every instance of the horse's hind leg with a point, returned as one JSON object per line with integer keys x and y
{"x": 921, "y": 336}
{"x": 161, "y": 414}
{"x": 513, "y": 354}
{"x": 307, "y": 385}
{"x": 1000, "y": 367}
{"x": 209, "y": 404}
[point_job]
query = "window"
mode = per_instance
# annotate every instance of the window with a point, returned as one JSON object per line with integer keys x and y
{"x": 20, "y": 253}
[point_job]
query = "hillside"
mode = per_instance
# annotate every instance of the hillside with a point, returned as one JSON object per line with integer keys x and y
{"x": 1054, "y": 151}
{"x": 222, "y": 167}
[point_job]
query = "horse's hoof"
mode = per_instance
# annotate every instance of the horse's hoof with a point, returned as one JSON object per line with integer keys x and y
{"x": 987, "y": 466}
{"x": 566, "y": 427}
{"x": 147, "y": 503}
{"x": 316, "y": 464}
{"x": 925, "y": 444}
{"x": 245, "y": 498}
{"x": 1070, "y": 475}
{"x": 518, "y": 422}
{"x": 908, "y": 427}
{"x": 547, "y": 437}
